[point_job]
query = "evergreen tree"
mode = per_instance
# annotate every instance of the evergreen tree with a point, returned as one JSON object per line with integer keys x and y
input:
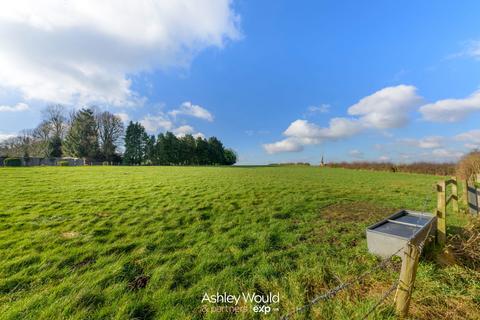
{"x": 230, "y": 157}
{"x": 201, "y": 151}
{"x": 160, "y": 156}
{"x": 216, "y": 151}
{"x": 55, "y": 146}
{"x": 150, "y": 150}
{"x": 187, "y": 150}
{"x": 171, "y": 148}
{"x": 135, "y": 144}
{"x": 82, "y": 137}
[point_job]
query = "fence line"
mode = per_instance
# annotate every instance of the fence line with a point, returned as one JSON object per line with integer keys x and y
{"x": 333, "y": 292}
{"x": 381, "y": 300}
{"x": 404, "y": 285}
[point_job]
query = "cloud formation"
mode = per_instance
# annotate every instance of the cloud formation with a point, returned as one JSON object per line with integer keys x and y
{"x": 155, "y": 123}
{"x": 82, "y": 51}
{"x": 5, "y": 136}
{"x": 384, "y": 109}
{"x": 123, "y": 116}
{"x": 286, "y": 145}
{"x": 470, "y": 138}
{"x": 183, "y": 130}
{"x": 356, "y": 154}
{"x": 167, "y": 121}
{"x": 387, "y": 108}
{"x": 451, "y": 110}
{"x": 16, "y": 108}
{"x": 425, "y": 143}
{"x": 323, "y": 108}
{"x": 189, "y": 109}
{"x": 445, "y": 154}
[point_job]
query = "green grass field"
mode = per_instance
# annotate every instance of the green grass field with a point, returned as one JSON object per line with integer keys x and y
{"x": 148, "y": 242}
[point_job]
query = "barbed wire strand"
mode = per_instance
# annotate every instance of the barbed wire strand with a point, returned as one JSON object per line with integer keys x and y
{"x": 333, "y": 292}
{"x": 380, "y": 301}
{"x": 395, "y": 284}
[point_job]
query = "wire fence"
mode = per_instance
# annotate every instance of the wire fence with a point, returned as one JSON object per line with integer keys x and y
{"x": 333, "y": 292}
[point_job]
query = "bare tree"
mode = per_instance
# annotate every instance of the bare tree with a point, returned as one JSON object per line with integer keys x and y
{"x": 55, "y": 116}
{"x": 23, "y": 145}
{"x": 42, "y": 133}
{"x": 110, "y": 131}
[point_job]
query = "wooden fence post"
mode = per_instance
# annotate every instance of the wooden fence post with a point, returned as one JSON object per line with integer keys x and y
{"x": 472, "y": 198}
{"x": 455, "y": 194}
{"x": 441, "y": 212}
{"x": 465, "y": 194}
{"x": 407, "y": 279}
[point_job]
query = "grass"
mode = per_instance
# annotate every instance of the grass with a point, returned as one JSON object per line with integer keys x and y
{"x": 148, "y": 242}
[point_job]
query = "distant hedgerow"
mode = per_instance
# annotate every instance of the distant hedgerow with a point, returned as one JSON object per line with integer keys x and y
{"x": 442, "y": 169}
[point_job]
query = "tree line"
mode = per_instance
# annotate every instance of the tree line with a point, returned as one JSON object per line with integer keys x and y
{"x": 100, "y": 136}
{"x": 168, "y": 149}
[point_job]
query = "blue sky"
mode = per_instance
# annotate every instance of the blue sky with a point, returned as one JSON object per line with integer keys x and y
{"x": 275, "y": 80}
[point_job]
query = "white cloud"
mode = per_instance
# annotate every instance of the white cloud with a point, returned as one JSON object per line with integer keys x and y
{"x": 286, "y": 145}
{"x": 16, "y": 108}
{"x": 157, "y": 122}
{"x": 199, "y": 135}
{"x": 451, "y": 110}
{"x": 473, "y": 49}
{"x": 183, "y": 130}
{"x": 82, "y": 51}
{"x": 305, "y": 131}
{"x": 425, "y": 143}
{"x": 323, "y": 108}
{"x": 387, "y": 108}
{"x": 123, "y": 116}
{"x": 189, "y": 109}
{"x": 166, "y": 121}
{"x": 186, "y": 129}
{"x": 445, "y": 154}
{"x": 384, "y": 158}
{"x": 357, "y": 154}
{"x": 310, "y": 133}
{"x": 5, "y": 136}
{"x": 471, "y": 139}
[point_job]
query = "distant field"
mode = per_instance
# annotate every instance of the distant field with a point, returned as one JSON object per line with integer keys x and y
{"x": 148, "y": 242}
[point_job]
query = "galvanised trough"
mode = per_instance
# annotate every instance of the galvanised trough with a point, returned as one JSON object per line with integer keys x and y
{"x": 388, "y": 236}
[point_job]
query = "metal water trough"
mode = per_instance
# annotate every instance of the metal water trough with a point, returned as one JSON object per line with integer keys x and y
{"x": 388, "y": 236}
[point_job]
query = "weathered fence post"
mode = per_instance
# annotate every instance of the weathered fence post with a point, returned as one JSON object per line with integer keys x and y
{"x": 441, "y": 212}
{"x": 455, "y": 193}
{"x": 472, "y": 198}
{"x": 407, "y": 279}
{"x": 465, "y": 194}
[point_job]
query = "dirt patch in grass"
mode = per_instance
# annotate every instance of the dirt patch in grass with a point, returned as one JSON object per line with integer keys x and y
{"x": 70, "y": 234}
{"x": 138, "y": 282}
{"x": 103, "y": 214}
{"x": 354, "y": 212}
{"x": 85, "y": 262}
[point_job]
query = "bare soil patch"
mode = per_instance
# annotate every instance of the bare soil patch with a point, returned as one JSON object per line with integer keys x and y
{"x": 355, "y": 212}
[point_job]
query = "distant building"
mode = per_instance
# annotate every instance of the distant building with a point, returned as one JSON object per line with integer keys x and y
{"x": 322, "y": 163}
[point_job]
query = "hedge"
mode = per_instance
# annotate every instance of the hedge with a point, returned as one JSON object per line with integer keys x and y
{"x": 12, "y": 162}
